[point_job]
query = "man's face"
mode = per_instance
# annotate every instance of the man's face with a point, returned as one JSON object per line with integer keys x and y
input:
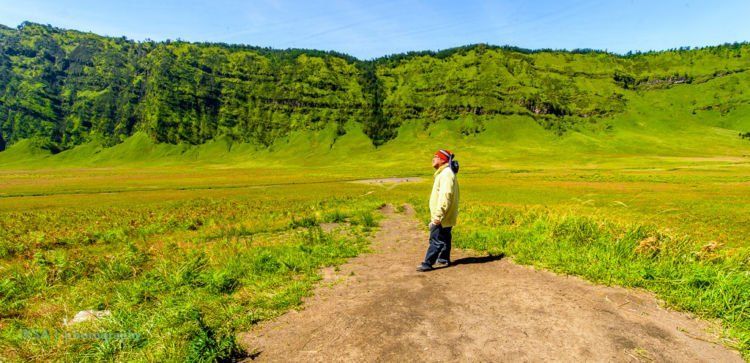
{"x": 436, "y": 161}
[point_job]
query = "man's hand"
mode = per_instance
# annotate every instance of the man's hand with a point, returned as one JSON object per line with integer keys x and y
{"x": 436, "y": 222}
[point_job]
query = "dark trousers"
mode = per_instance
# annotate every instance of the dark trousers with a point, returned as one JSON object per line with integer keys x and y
{"x": 440, "y": 245}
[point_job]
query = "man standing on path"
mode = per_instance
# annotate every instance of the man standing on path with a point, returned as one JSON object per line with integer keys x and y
{"x": 443, "y": 210}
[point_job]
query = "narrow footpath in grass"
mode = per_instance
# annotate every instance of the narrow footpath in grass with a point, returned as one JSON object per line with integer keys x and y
{"x": 483, "y": 308}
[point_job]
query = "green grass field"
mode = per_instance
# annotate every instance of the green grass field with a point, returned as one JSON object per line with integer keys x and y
{"x": 185, "y": 257}
{"x": 181, "y": 270}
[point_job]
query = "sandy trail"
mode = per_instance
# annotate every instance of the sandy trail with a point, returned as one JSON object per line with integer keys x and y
{"x": 378, "y": 308}
{"x": 389, "y": 181}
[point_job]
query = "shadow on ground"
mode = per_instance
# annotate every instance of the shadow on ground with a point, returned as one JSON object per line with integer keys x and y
{"x": 472, "y": 260}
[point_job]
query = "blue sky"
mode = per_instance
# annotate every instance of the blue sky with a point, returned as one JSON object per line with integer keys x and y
{"x": 368, "y": 29}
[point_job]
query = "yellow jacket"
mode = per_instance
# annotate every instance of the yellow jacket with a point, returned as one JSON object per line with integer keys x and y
{"x": 444, "y": 197}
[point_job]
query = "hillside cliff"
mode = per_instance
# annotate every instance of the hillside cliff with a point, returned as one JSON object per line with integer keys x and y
{"x": 61, "y": 88}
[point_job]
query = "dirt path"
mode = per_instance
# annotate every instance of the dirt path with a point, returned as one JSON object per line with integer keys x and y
{"x": 378, "y": 308}
{"x": 389, "y": 181}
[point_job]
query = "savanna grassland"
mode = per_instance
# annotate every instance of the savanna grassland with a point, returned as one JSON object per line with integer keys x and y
{"x": 180, "y": 270}
{"x": 186, "y": 257}
{"x": 194, "y": 190}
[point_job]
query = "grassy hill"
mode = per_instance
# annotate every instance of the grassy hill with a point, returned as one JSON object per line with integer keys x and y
{"x": 73, "y": 98}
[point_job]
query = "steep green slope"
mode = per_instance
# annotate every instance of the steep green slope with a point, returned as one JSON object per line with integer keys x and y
{"x": 95, "y": 100}
{"x": 66, "y": 88}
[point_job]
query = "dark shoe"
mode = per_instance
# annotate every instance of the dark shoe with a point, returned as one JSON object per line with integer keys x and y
{"x": 443, "y": 263}
{"x": 424, "y": 268}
